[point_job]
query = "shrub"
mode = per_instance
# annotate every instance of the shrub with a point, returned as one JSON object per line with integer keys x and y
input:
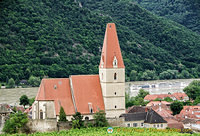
{"x": 15, "y": 122}
{"x": 11, "y": 83}
{"x": 24, "y": 100}
{"x": 77, "y": 120}
{"x": 100, "y": 119}
{"x": 62, "y": 116}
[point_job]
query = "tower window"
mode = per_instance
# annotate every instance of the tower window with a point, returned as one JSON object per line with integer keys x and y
{"x": 115, "y": 93}
{"x": 115, "y": 106}
{"x": 115, "y": 76}
{"x": 102, "y": 76}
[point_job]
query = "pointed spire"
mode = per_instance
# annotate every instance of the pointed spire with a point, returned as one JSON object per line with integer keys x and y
{"x": 111, "y": 49}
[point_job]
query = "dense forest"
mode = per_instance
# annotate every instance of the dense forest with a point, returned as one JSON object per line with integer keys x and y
{"x": 58, "y": 38}
{"x": 185, "y": 12}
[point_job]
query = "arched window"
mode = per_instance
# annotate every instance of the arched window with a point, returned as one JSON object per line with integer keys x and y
{"x": 86, "y": 118}
{"x": 41, "y": 114}
{"x": 115, "y": 76}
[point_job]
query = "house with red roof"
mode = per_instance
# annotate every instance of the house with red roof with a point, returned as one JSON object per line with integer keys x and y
{"x": 87, "y": 94}
{"x": 175, "y": 96}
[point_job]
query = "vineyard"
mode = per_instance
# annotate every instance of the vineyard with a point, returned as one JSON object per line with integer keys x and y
{"x": 116, "y": 131}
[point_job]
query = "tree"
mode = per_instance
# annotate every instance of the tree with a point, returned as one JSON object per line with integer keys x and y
{"x": 34, "y": 81}
{"x": 168, "y": 99}
{"x": 11, "y": 83}
{"x": 176, "y": 107}
{"x": 77, "y": 120}
{"x": 15, "y": 122}
{"x": 193, "y": 90}
{"x": 133, "y": 75}
{"x": 62, "y": 116}
{"x": 142, "y": 93}
{"x": 31, "y": 101}
{"x": 24, "y": 100}
{"x": 197, "y": 100}
{"x": 100, "y": 119}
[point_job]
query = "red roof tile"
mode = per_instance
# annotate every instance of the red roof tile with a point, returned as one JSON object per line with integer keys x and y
{"x": 111, "y": 48}
{"x": 58, "y": 90}
{"x": 179, "y": 96}
{"x": 87, "y": 89}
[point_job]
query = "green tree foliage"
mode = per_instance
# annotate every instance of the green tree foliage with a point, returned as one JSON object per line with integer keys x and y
{"x": 138, "y": 100}
{"x": 31, "y": 101}
{"x": 60, "y": 38}
{"x": 168, "y": 99}
{"x": 11, "y": 83}
{"x": 15, "y": 122}
{"x": 176, "y": 107}
{"x": 142, "y": 93}
{"x": 133, "y": 75}
{"x": 158, "y": 99}
{"x": 185, "y": 12}
{"x": 100, "y": 119}
{"x": 34, "y": 81}
{"x": 193, "y": 89}
{"x": 24, "y": 100}
{"x": 197, "y": 100}
{"x": 77, "y": 120}
{"x": 62, "y": 116}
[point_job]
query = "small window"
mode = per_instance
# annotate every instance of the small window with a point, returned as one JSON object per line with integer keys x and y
{"x": 102, "y": 76}
{"x": 142, "y": 124}
{"x": 41, "y": 114}
{"x": 55, "y": 86}
{"x": 115, "y": 93}
{"x": 161, "y": 125}
{"x": 158, "y": 126}
{"x": 128, "y": 125}
{"x": 86, "y": 118}
{"x": 91, "y": 110}
{"x": 154, "y": 126}
{"x": 134, "y": 124}
{"x": 115, "y": 76}
{"x": 115, "y": 106}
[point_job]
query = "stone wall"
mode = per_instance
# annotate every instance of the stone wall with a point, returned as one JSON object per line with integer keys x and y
{"x": 116, "y": 122}
{"x": 46, "y": 125}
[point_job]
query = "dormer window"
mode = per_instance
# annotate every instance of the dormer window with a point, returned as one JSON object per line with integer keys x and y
{"x": 90, "y": 107}
{"x": 115, "y": 62}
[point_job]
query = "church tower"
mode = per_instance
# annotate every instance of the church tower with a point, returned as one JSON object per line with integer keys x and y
{"x": 112, "y": 74}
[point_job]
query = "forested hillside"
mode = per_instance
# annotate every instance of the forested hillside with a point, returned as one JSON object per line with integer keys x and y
{"x": 58, "y": 38}
{"x": 185, "y": 12}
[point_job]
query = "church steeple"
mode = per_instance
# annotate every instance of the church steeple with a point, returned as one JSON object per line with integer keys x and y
{"x": 112, "y": 74}
{"x": 111, "y": 51}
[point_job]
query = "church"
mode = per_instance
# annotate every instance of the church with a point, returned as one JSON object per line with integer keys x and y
{"x": 87, "y": 94}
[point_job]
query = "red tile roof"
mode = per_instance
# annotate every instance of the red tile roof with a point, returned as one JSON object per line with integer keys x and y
{"x": 154, "y": 103}
{"x": 179, "y": 96}
{"x": 111, "y": 48}
{"x": 151, "y": 97}
{"x": 87, "y": 89}
{"x": 58, "y": 90}
{"x": 191, "y": 112}
{"x": 171, "y": 123}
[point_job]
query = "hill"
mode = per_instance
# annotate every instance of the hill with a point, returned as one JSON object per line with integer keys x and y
{"x": 62, "y": 38}
{"x": 185, "y": 12}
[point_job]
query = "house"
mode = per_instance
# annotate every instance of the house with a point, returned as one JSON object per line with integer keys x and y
{"x": 181, "y": 96}
{"x": 175, "y": 96}
{"x": 147, "y": 119}
{"x": 155, "y": 103}
{"x": 87, "y": 94}
{"x": 189, "y": 112}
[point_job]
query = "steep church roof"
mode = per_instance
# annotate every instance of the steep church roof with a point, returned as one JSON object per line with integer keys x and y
{"x": 57, "y": 90}
{"x": 85, "y": 90}
{"x": 111, "y": 48}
